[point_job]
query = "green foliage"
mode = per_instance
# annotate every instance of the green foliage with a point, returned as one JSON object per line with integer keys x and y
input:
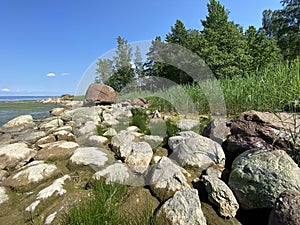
{"x": 172, "y": 128}
{"x": 284, "y": 24}
{"x": 140, "y": 119}
{"x": 104, "y": 70}
{"x": 101, "y": 207}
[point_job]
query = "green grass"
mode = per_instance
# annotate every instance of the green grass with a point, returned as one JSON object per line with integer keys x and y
{"x": 102, "y": 207}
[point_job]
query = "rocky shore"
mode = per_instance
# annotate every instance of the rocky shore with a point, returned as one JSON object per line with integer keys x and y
{"x": 248, "y": 176}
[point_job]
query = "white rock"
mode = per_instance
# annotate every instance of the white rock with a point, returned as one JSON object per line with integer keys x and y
{"x": 115, "y": 173}
{"x": 97, "y": 140}
{"x": 110, "y": 132}
{"x": 184, "y": 208}
{"x": 89, "y": 156}
{"x": 3, "y": 196}
{"x": 18, "y": 124}
{"x": 52, "y": 124}
{"x": 50, "y": 218}
{"x": 56, "y": 186}
{"x": 13, "y": 154}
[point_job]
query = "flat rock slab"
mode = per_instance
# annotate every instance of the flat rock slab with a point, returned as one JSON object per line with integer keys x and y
{"x": 31, "y": 137}
{"x": 15, "y": 154}
{"x": 57, "y": 150}
{"x": 30, "y": 174}
{"x": 89, "y": 156}
{"x": 258, "y": 177}
{"x": 187, "y": 124}
{"x": 184, "y": 208}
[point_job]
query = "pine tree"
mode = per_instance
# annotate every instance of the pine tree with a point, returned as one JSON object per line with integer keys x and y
{"x": 104, "y": 70}
{"x": 123, "y": 72}
{"x": 223, "y": 47}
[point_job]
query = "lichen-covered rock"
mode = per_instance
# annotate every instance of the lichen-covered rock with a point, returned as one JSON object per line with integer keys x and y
{"x": 184, "y": 208}
{"x": 259, "y": 176}
{"x": 15, "y": 154}
{"x": 165, "y": 178}
{"x": 30, "y": 174}
{"x": 17, "y": 124}
{"x": 57, "y": 150}
{"x": 287, "y": 209}
{"x": 193, "y": 150}
{"x": 220, "y": 195}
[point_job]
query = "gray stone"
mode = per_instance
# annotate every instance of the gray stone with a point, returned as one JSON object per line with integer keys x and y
{"x": 259, "y": 176}
{"x": 15, "y": 154}
{"x": 53, "y": 123}
{"x": 90, "y": 156}
{"x": 165, "y": 178}
{"x": 17, "y": 124}
{"x": 287, "y": 209}
{"x": 217, "y": 130}
{"x": 193, "y": 150}
{"x": 220, "y": 195}
{"x": 31, "y": 137}
{"x": 137, "y": 155}
{"x": 187, "y": 124}
{"x": 110, "y": 132}
{"x": 96, "y": 140}
{"x": 122, "y": 139}
{"x": 184, "y": 208}
{"x": 57, "y": 111}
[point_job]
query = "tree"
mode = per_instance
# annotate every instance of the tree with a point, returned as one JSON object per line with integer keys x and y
{"x": 138, "y": 62}
{"x": 223, "y": 47}
{"x": 263, "y": 50}
{"x": 122, "y": 69}
{"x": 284, "y": 24}
{"x": 104, "y": 70}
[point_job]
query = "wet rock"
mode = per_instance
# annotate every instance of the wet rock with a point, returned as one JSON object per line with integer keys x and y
{"x": 220, "y": 195}
{"x": 165, "y": 178}
{"x": 193, "y": 150}
{"x": 287, "y": 209}
{"x": 14, "y": 155}
{"x": 18, "y": 124}
{"x": 184, "y": 208}
{"x": 259, "y": 176}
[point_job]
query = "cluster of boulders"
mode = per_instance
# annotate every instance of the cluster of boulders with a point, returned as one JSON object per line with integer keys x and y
{"x": 187, "y": 178}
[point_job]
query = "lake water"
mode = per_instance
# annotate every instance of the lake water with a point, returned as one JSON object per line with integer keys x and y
{"x": 13, "y": 106}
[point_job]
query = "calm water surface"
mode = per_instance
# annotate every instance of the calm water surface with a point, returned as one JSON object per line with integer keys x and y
{"x": 13, "y": 106}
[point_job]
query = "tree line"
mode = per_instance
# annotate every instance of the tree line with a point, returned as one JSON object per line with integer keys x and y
{"x": 223, "y": 45}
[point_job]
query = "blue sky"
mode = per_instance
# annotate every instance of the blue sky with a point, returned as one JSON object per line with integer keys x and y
{"x": 47, "y": 45}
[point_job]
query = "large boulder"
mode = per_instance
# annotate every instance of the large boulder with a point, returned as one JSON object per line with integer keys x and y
{"x": 287, "y": 209}
{"x": 255, "y": 129}
{"x": 195, "y": 151}
{"x": 258, "y": 177}
{"x": 99, "y": 94}
{"x": 184, "y": 208}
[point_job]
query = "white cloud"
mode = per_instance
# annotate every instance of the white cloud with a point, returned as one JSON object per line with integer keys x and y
{"x": 5, "y": 90}
{"x": 51, "y": 75}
